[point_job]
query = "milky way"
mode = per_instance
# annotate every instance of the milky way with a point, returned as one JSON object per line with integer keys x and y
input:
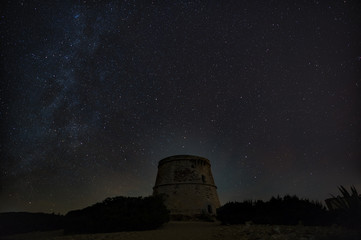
{"x": 95, "y": 93}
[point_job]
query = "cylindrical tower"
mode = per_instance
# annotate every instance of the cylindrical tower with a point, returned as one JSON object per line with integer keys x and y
{"x": 188, "y": 185}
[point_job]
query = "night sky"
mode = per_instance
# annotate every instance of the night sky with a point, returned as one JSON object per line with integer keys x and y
{"x": 95, "y": 93}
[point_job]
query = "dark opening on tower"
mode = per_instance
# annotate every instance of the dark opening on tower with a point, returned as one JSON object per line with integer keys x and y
{"x": 210, "y": 209}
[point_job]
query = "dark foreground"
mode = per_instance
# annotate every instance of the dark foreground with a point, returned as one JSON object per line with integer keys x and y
{"x": 206, "y": 230}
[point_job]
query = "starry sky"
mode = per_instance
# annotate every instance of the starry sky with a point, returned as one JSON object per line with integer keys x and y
{"x": 95, "y": 93}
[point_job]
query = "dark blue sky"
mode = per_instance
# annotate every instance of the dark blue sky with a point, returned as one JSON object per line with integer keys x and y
{"x": 95, "y": 93}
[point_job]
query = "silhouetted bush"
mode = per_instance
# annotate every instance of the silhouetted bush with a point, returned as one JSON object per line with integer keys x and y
{"x": 22, "y": 222}
{"x": 118, "y": 214}
{"x": 235, "y": 212}
{"x": 289, "y": 210}
{"x": 346, "y": 208}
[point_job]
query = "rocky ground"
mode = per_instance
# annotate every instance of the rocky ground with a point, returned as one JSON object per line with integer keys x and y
{"x": 207, "y": 230}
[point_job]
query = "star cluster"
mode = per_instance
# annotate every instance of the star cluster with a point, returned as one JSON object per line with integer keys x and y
{"x": 95, "y": 93}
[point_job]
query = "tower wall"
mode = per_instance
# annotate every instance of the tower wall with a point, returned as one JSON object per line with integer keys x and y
{"x": 188, "y": 185}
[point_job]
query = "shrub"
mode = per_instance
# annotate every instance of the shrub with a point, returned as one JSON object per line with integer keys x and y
{"x": 289, "y": 210}
{"x": 235, "y": 212}
{"x": 347, "y": 207}
{"x": 118, "y": 214}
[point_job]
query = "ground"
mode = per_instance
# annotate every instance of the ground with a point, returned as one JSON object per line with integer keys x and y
{"x": 208, "y": 230}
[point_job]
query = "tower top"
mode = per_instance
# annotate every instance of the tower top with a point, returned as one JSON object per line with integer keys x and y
{"x": 182, "y": 158}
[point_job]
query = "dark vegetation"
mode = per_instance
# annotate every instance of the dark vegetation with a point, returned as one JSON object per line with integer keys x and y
{"x": 111, "y": 215}
{"x": 347, "y": 208}
{"x": 21, "y": 222}
{"x": 118, "y": 214}
{"x": 290, "y": 210}
{"x": 130, "y": 213}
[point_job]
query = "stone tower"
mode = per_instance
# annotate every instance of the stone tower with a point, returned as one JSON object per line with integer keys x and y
{"x": 188, "y": 185}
